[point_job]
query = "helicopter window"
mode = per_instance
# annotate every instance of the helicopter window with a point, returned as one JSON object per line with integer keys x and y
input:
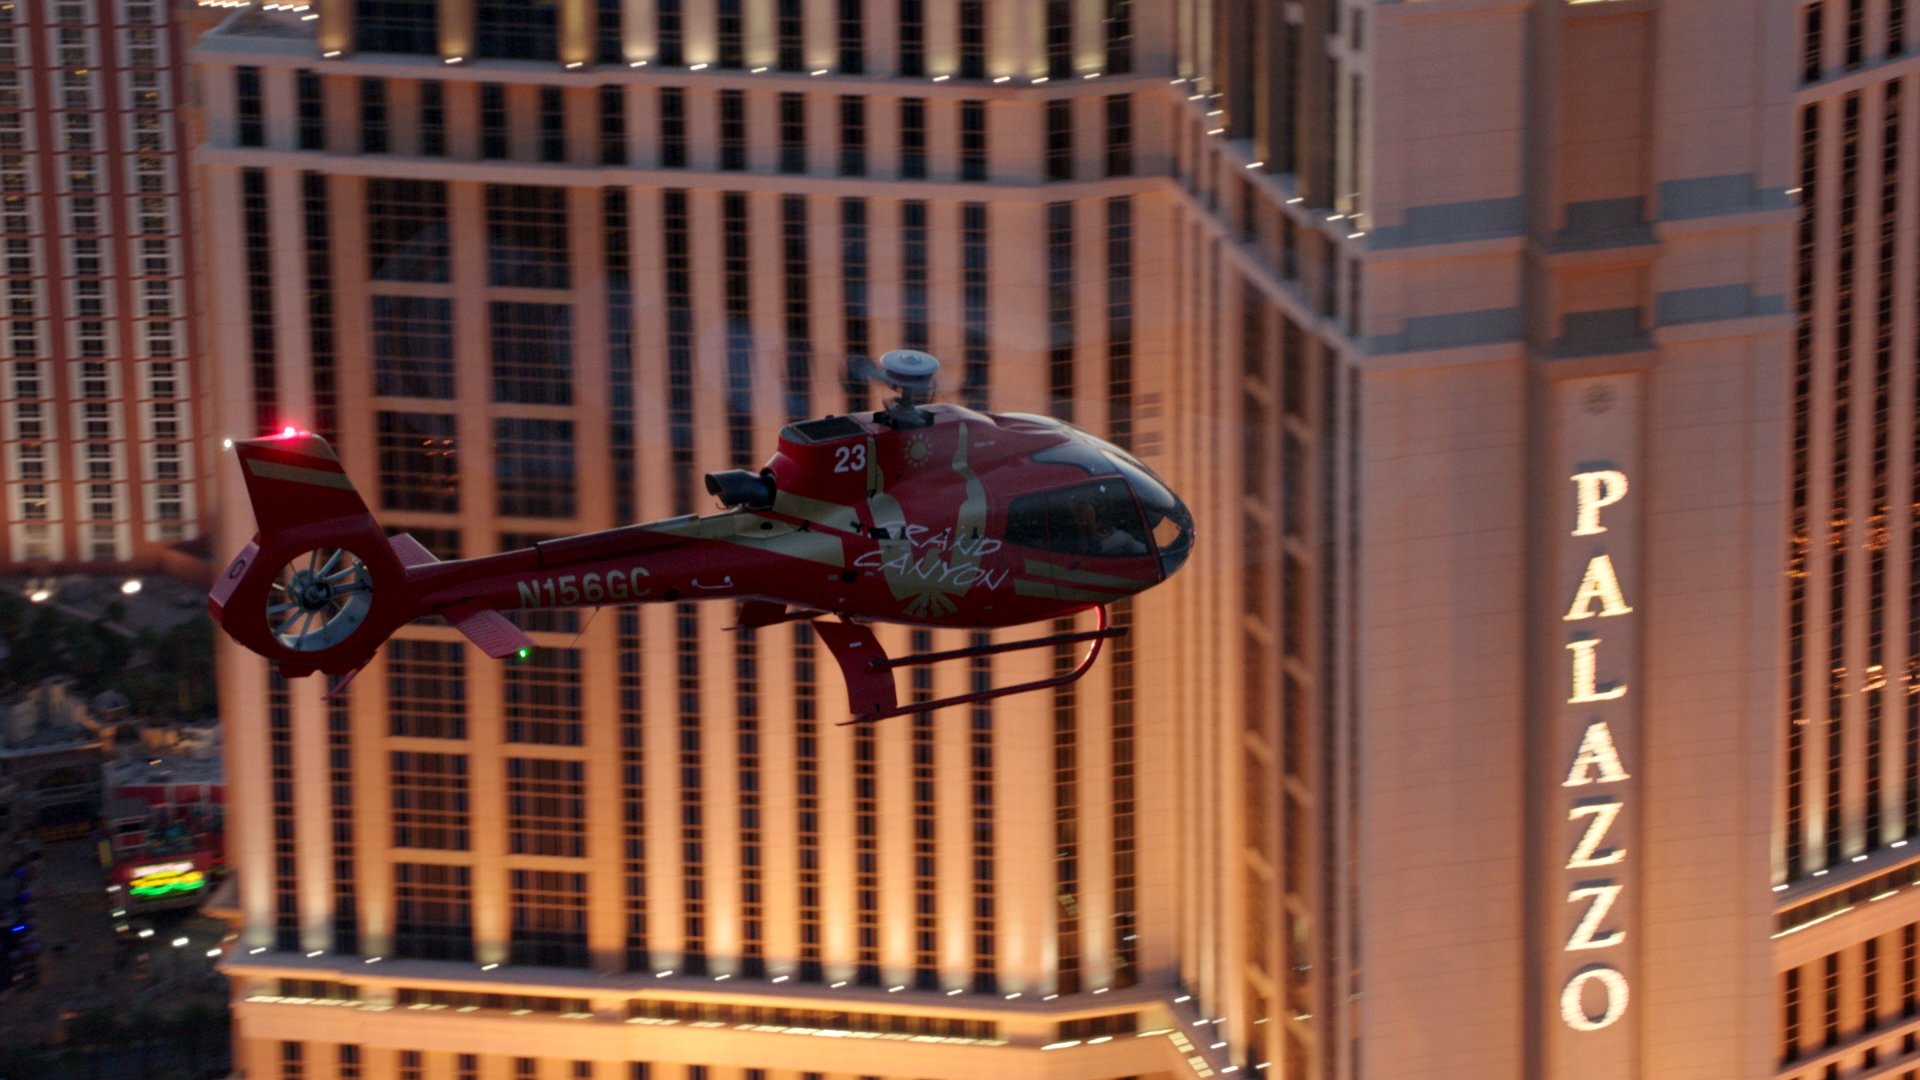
{"x": 1076, "y": 454}
{"x": 1095, "y": 518}
{"x": 824, "y": 429}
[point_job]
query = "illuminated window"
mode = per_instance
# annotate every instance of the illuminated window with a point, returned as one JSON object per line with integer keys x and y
{"x": 429, "y": 794}
{"x": 543, "y": 700}
{"x": 419, "y": 469}
{"x": 546, "y": 807}
{"x": 427, "y": 688}
{"x": 533, "y": 472}
{"x": 407, "y": 230}
{"x": 433, "y": 912}
{"x": 412, "y": 353}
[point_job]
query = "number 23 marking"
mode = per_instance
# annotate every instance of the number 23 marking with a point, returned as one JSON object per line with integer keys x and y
{"x": 850, "y": 458}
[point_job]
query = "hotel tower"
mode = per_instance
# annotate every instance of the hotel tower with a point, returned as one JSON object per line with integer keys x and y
{"x": 1481, "y": 737}
{"x": 100, "y": 458}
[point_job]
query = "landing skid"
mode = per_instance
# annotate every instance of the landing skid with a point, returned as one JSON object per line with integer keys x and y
{"x": 869, "y": 670}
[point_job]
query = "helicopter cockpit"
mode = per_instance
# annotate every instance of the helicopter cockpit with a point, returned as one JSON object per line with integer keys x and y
{"x": 1097, "y": 517}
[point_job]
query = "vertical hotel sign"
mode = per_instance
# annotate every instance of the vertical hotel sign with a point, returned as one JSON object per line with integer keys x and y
{"x": 1592, "y": 739}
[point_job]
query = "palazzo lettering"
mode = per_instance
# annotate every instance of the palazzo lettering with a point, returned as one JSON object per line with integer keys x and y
{"x": 1595, "y": 997}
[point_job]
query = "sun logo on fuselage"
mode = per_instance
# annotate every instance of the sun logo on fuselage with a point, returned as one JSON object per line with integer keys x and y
{"x": 919, "y": 450}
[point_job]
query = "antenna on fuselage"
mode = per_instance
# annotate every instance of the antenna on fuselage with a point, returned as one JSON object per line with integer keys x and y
{"x": 913, "y": 373}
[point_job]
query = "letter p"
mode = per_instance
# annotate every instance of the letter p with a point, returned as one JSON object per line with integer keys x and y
{"x": 1595, "y": 491}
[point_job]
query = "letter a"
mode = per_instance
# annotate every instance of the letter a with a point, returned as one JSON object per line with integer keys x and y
{"x": 1596, "y": 752}
{"x": 1586, "y": 672}
{"x": 1599, "y": 583}
{"x": 1594, "y": 492}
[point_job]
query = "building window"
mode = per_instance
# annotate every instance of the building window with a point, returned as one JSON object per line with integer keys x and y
{"x": 733, "y": 130}
{"x": 1856, "y": 33}
{"x": 407, "y": 230}
{"x": 533, "y": 467}
{"x": 553, "y": 124}
{"x": 1812, "y": 64}
{"x": 973, "y": 39}
{"x": 673, "y": 128}
{"x": 412, "y": 350}
{"x": 1120, "y": 135}
{"x": 613, "y": 125}
{"x": 693, "y": 822}
{"x": 549, "y": 918}
{"x": 430, "y": 807}
{"x": 427, "y": 689}
{"x": 1119, "y": 34}
{"x": 850, "y": 32}
{"x": 1896, "y": 27}
{"x": 350, "y": 1061}
{"x": 532, "y": 350}
{"x": 293, "y": 1061}
{"x": 313, "y": 117}
{"x": 412, "y": 1065}
{"x": 1059, "y": 39}
{"x": 973, "y": 140}
{"x": 433, "y": 120}
{"x": 731, "y": 33}
{"x": 676, "y": 257}
{"x": 1060, "y": 335}
{"x": 516, "y": 29}
{"x": 790, "y": 28}
{"x": 668, "y": 35}
{"x": 373, "y": 116}
{"x": 248, "y": 109}
{"x": 433, "y": 912}
{"x": 608, "y": 47}
{"x": 493, "y": 122}
{"x": 736, "y": 280}
{"x": 396, "y": 26}
{"x": 793, "y": 133}
{"x": 913, "y": 138}
{"x": 418, "y": 467}
{"x": 973, "y": 304}
{"x": 543, "y": 698}
{"x": 913, "y": 38}
{"x": 855, "y": 323}
{"x": 914, "y": 311}
{"x": 547, "y": 807}
{"x": 527, "y": 236}
{"x": 1060, "y": 139}
{"x": 853, "y": 135}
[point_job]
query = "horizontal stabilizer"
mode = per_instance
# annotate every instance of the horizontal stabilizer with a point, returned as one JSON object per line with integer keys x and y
{"x": 491, "y": 631}
{"x": 410, "y": 551}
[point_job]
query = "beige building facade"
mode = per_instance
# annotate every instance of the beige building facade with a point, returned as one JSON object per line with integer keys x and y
{"x": 1467, "y": 329}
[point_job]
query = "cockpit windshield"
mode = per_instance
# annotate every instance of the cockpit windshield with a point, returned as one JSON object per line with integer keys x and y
{"x": 1097, "y": 518}
{"x": 1167, "y": 518}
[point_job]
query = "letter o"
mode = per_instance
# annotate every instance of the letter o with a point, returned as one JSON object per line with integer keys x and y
{"x": 1574, "y": 1011}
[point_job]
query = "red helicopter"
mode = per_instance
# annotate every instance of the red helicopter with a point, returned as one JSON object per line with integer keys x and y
{"x": 925, "y": 514}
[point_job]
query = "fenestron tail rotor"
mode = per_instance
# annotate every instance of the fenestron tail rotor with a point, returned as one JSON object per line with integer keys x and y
{"x": 318, "y": 599}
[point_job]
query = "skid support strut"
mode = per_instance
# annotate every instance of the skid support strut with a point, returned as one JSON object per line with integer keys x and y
{"x": 869, "y": 670}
